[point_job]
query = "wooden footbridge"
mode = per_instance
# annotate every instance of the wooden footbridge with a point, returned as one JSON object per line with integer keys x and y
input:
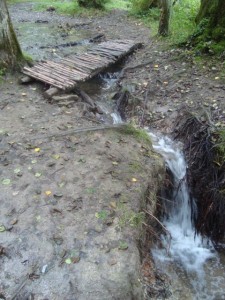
{"x": 73, "y": 69}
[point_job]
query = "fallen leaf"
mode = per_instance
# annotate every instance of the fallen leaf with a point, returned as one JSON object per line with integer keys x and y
{"x": 61, "y": 184}
{"x": 123, "y": 245}
{"x": 37, "y": 149}
{"x": 113, "y": 204}
{"x": 48, "y": 193}
{"x": 17, "y": 170}
{"x": 34, "y": 161}
{"x": 6, "y": 181}
{"x": 83, "y": 160}
{"x": 15, "y": 193}
{"x": 115, "y": 163}
{"x": 57, "y": 195}
{"x": 14, "y": 221}
{"x": 38, "y": 218}
{"x": 134, "y": 179}
{"x": 68, "y": 261}
{"x": 23, "y": 94}
{"x": 156, "y": 66}
{"x": 37, "y": 174}
{"x": 56, "y": 156}
{"x": 2, "y": 228}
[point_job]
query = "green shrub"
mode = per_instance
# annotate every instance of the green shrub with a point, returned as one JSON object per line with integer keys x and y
{"x": 92, "y": 3}
{"x": 141, "y": 6}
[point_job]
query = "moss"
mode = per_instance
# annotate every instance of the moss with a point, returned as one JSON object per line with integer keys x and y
{"x": 218, "y": 33}
{"x": 128, "y": 217}
{"x": 140, "y": 134}
{"x": 218, "y": 48}
{"x": 27, "y": 58}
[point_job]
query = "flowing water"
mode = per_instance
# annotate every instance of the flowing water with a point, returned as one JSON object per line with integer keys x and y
{"x": 194, "y": 267}
{"x": 190, "y": 258}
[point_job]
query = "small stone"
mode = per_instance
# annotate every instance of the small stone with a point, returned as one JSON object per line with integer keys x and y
{"x": 112, "y": 261}
{"x": 98, "y": 229}
{"x": 51, "y": 164}
{"x": 14, "y": 222}
{"x": 58, "y": 240}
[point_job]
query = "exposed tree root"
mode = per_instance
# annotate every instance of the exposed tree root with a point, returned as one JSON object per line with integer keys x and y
{"x": 206, "y": 173}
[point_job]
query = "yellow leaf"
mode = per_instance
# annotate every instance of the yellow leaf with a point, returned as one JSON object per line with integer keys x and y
{"x": 37, "y": 149}
{"x": 134, "y": 179}
{"x": 156, "y": 66}
{"x": 48, "y": 193}
{"x": 115, "y": 163}
{"x": 56, "y": 156}
{"x": 113, "y": 204}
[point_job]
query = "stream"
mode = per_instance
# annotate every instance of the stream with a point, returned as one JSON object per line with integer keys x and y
{"x": 194, "y": 268}
{"x": 191, "y": 259}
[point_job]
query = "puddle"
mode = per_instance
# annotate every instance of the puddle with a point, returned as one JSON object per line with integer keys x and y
{"x": 40, "y": 40}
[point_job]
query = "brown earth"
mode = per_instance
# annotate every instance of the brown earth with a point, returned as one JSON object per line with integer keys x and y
{"x": 71, "y": 203}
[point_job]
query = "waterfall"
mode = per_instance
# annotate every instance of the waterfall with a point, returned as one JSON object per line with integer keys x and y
{"x": 195, "y": 269}
{"x": 187, "y": 249}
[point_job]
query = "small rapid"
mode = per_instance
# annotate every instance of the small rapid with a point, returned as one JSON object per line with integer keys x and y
{"x": 194, "y": 267}
{"x": 190, "y": 256}
{"x": 187, "y": 247}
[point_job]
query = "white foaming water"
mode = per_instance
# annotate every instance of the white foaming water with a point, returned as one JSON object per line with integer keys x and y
{"x": 116, "y": 118}
{"x": 195, "y": 269}
{"x": 187, "y": 249}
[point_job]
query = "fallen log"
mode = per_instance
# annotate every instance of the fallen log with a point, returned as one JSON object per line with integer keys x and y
{"x": 94, "y": 39}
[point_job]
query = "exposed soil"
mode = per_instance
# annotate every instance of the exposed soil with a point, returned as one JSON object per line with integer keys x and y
{"x": 70, "y": 203}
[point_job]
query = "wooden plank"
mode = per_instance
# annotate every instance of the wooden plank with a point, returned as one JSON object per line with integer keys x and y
{"x": 76, "y": 68}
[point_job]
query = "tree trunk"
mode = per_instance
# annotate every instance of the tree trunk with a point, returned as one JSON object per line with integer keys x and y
{"x": 164, "y": 18}
{"x": 10, "y": 52}
{"x": 214, "y": 12}
{"x": 154, "y": 3}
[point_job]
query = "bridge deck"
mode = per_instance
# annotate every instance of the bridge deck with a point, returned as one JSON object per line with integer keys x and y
{"x": 77, "y": 68}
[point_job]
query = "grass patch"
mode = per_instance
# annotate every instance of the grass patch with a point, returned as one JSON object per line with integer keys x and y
{"x": 63, "y": 7}
{"x": 2, "y": 73}
{"x": 149, "y": 17}
{"x": 129, "y": 218}
{"x": 140, "y": 134}
{"x": 27, "y": 57}
{"x": 182, "y": 23}
{"x": 117, "y": 4}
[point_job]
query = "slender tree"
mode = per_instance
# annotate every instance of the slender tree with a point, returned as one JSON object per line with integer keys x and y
{"x": 10, "y": 52}
{"x": 164, "y": 17}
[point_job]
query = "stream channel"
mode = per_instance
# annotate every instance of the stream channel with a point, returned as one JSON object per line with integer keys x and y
{"x": 195, "y": 269}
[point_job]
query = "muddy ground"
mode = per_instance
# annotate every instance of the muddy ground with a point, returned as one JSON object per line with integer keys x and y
{"x": 71, "y": 203}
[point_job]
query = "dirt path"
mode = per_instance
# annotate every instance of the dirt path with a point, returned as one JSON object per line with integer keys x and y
{"x": 70, "y": 204}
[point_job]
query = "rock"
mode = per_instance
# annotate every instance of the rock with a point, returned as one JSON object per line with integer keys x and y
{"x": 66, "y": 103}
{"x": 69, "y": 98}
{"x": 25, "y": 79}
{"x": 50, "y": 8}
{"x": 51, "y": 92}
